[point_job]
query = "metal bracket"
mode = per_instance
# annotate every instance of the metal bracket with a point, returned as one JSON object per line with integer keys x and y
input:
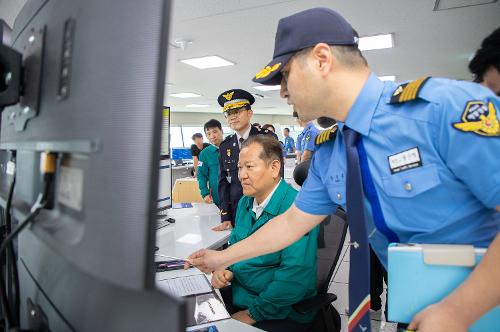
{"x": 32, "y": 51}
{"x": 37, "y": 320}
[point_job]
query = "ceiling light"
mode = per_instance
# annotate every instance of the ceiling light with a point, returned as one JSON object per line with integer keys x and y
{"x": 376, "y": 42}
{"x": 197, "y": 105}
{"x": 267, "y": 87}
{"x": 185, "y": 95}
{"x": 205, "y": 62}
{"x": 387, "y": 78}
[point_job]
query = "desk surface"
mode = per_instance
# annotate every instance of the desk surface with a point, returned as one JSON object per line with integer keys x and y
{"x": 192, "y": 231}
{"x": 228, "y": 325}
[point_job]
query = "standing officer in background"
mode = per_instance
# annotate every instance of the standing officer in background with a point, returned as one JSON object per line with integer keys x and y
{"x": 208, "y": 168}
{"x": 307, "y": 138}
{"x": 236, "y": 105}
{"x": 289, "y": 144}
{"x": 413, "y": 163}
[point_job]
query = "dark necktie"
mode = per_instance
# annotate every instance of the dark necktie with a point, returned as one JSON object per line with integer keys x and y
{"x": 241, "y": 141}
{"x": 359, "y": 268}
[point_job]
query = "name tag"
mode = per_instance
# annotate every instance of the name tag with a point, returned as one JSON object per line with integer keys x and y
{"x": 405, "y": 160}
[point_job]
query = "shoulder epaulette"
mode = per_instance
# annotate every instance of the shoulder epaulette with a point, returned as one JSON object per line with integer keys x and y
{"x": 408, "y": 91}
{"x": 227, "y": 138}
{"x": 326, "y": 135}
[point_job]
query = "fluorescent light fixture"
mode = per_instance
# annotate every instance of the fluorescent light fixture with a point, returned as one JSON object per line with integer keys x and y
{"x": 197, "y": 105}
{"x": 205, "y": 62}
{"x": 376, "y": 42}
{"x": 387, "y": 78}
{"x": 185, "y": 95}
{"x": 267, "y": 87}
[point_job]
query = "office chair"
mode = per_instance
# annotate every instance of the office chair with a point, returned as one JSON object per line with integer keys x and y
{"x": 330, "y": 242}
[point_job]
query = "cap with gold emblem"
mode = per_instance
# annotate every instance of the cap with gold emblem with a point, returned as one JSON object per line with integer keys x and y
{"x": 235, "y": 98}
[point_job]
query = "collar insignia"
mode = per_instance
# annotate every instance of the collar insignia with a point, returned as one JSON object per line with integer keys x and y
{"x": 228, "y": 95}
{"x": 480, "y": 119}
{"x": 229, "y": 152}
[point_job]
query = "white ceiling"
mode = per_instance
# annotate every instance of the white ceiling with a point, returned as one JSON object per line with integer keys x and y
{"x": 427, "y": 42}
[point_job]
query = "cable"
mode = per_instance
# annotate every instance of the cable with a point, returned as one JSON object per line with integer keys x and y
{"x": 11, "y": 252}
{"x": 6, "y": 308}
{"x": 47, "y": 167}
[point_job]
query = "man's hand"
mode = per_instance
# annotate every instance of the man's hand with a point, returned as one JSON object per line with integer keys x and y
{"x": 206, "y": 260}
{"x": 243, "y": 317}
{"x": 208, "y": 199}
{"x": 437, "y": 317}
{"x": 221, "y": 278}
{"x": 224, "y": 226}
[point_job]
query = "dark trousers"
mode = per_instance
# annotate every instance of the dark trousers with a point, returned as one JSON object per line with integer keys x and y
{"x": 377, "y": 276}
{"x": 277, "y": 325}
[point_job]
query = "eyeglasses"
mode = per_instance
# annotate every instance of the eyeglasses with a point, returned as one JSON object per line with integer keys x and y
{"x": 236, "y": 111}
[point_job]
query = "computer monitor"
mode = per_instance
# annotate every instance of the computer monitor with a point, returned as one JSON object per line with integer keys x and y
{"x": 181, "y": 154}
{"x": 93, "y": 93}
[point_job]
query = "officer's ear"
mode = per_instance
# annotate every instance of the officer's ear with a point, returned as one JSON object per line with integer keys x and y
{"x": 322, "y": 57}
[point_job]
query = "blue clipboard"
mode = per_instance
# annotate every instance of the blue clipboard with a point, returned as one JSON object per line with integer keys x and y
{"x": 420, "y": 275}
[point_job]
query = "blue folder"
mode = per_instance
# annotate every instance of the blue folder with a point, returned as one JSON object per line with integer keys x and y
{"x": 420, "y": 275}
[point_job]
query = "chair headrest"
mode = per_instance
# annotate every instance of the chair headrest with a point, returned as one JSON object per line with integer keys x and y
{"x": 300, "y": 172}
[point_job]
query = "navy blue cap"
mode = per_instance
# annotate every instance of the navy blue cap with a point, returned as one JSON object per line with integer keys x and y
{"x": 235, "y": 98}
{"x": 302, "y": 30}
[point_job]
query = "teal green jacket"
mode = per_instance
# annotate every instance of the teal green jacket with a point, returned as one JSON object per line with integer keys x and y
{"x": 269, "y": 285}
{"x": 208, "y": 172}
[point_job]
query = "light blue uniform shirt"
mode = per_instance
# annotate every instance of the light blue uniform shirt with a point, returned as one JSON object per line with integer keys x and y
{"x": 308, "y": 137}
{"x": 289, "y": 144}
{"x": 298, "y": 143}
{"x": 449, "y": 198}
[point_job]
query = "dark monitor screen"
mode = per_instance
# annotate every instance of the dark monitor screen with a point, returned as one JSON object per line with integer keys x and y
{"x": 93, "y": 94}
{"x": 181, "y": 153}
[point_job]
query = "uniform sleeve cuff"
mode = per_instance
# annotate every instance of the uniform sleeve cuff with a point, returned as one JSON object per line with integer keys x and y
{"x": 256, "y": 316}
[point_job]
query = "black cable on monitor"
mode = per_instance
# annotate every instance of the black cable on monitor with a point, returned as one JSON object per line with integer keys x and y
{"x": 48, "y": 167}
{"x": 11, "y": 252}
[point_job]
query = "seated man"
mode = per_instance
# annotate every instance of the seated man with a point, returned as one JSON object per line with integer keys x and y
{"x": 263, "y": 289}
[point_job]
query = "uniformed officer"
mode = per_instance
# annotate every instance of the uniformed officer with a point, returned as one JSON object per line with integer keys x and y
{"x": 236, "y": 106}
{"x": 307, "y": 138}
{"x": 427, "y": 155}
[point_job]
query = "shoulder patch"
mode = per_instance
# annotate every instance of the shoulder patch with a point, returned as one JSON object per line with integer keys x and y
{"x": 326, "y": 135}
{"x": 479, "y": 118}
{"x": 227, "y": 138}
{"x": 408, "y": 91}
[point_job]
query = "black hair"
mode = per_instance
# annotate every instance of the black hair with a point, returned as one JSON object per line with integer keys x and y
{"x": 287, "y": 129}
{"x": 486, "y": 56}
{"x": 271, "y": 147}
{"x": 195, "y": 135}
{"x": 212, "y": 123}
{"x": 267, "y": 126}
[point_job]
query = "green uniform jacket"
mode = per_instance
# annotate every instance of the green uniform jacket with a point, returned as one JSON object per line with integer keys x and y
{"x": 208, "y": 172}
{"x": 269, "y": 285}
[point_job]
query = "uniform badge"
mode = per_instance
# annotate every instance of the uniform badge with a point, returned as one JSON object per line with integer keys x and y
{"x": 229, "y": 152}
{"x": 480, "y": 119}
{"x": 405, "y": 160}
{"x": 228, "y": 95}
{"x": 308, "y": 137}
{"x": 267, "y": 70}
